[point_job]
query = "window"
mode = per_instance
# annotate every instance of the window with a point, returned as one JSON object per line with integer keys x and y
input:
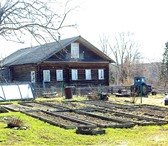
{"x": 88, "y": 74}
{"x": 74, "y": 50}
{"x": 33, "y": 80}
{"x": 101, "y": 74}
{"x": 74, "y": 74}
{"x": 59, "y": 75}
{"x": 46, "y": 75}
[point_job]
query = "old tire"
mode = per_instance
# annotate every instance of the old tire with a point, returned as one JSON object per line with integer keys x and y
{"x": 89, "y": 131}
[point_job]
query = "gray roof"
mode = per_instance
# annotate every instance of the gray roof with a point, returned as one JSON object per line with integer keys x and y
{"x": 38, "y": 54}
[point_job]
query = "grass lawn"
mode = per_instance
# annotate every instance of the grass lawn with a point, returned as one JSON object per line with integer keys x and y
{"x": 41, "y": 133}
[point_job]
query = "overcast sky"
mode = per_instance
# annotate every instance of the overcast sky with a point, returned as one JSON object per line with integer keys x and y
{"x": 147, "y": 19}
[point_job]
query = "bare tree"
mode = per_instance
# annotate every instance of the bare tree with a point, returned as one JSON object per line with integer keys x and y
{"x": 41, "y": 19}
{"x": 126, "y": 54}
{"x": 103, "y": 42}
{"x": 152, "y": 72}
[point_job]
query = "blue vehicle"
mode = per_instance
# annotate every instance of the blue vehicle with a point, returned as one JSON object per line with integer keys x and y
{"x": 140, "y": 84}
{"x": 166, "y": 101}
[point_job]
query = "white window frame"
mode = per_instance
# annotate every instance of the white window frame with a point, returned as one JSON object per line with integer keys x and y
{"x": 101, "y": 74}
{"x": 46, "y": 75}
{"x": 33, "y": 76}
{"x": 59, "y": 75}
{"x": 74, "y": 50}
{"x": 74, "y": 74}
{"x": 88, "y": 75}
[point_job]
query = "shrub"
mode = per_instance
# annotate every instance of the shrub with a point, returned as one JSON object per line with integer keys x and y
{"x": 15, "y": 122}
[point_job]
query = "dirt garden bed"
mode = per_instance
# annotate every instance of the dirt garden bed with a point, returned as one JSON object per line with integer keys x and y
{"x": 140, "y": 110}
{"x": 16, "y": 107}
{"x": 57, "y": 120}
{"x": 136, "y": 119}
{"x": 42, "y": 106}
{"x": 99, "y": 121}
{"x": 70, "y": 104}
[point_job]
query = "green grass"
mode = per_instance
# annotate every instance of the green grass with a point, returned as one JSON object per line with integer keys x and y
{"x": 40, "y": 133}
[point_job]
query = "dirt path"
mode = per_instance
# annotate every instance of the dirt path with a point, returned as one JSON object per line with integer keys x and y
{"x": 151, "y": 100}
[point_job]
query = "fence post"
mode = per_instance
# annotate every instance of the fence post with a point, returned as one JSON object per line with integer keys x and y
{"x": 141, "y": 93}
{"x": 63, "y": 88}
{"x": 100, "y": 91}
{"x": 100, "y": 88}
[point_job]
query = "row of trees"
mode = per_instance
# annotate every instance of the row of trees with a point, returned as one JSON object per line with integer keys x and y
{"x": 125, "y": 50}
{"x": 126, "y": 53}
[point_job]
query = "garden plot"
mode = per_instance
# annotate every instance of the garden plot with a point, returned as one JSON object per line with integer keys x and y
{"x": 95, "y": 120}
{"x": 57, "y": 120}
{"x": 132, "y": 113}
{"x": 106, "y": 104}
{"x": 136, "y": 119}
{"x": 71, "y": 105}
{"x": 99, "y": 121}
{"x": 149, "y": 112}
{"x": 140, "y": 110}
{"x": 16, "y": 107}
{"x": 72, "y": 114}
{"x": 42, "y": 106}
{"x": 157, "y": 111}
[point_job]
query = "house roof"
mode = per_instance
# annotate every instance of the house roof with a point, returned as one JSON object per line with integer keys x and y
{"x": 38, "y": 54}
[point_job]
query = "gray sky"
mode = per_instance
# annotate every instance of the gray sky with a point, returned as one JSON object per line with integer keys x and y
{"x": 147, "y": 19}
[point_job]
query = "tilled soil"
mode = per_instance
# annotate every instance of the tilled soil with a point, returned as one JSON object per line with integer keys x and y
{"x": 94, "y": 120}
{"x": 16, "y": 107}
{"x": 147, "y": 110}
{"x": 56, "y": 120}
{"x": 71, "y": 105}
{"x": 41, "y": 106}
{"x": 139, "y": 120}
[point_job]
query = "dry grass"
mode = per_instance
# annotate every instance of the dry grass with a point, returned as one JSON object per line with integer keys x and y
{"x": 15, "y": 122}
{"x": 151, "y": 99}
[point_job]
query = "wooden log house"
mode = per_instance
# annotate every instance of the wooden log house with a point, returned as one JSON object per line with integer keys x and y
{"x": 73, "y": 61}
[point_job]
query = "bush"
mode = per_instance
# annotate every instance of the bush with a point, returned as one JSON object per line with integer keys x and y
{"x": 15, "y": 122}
